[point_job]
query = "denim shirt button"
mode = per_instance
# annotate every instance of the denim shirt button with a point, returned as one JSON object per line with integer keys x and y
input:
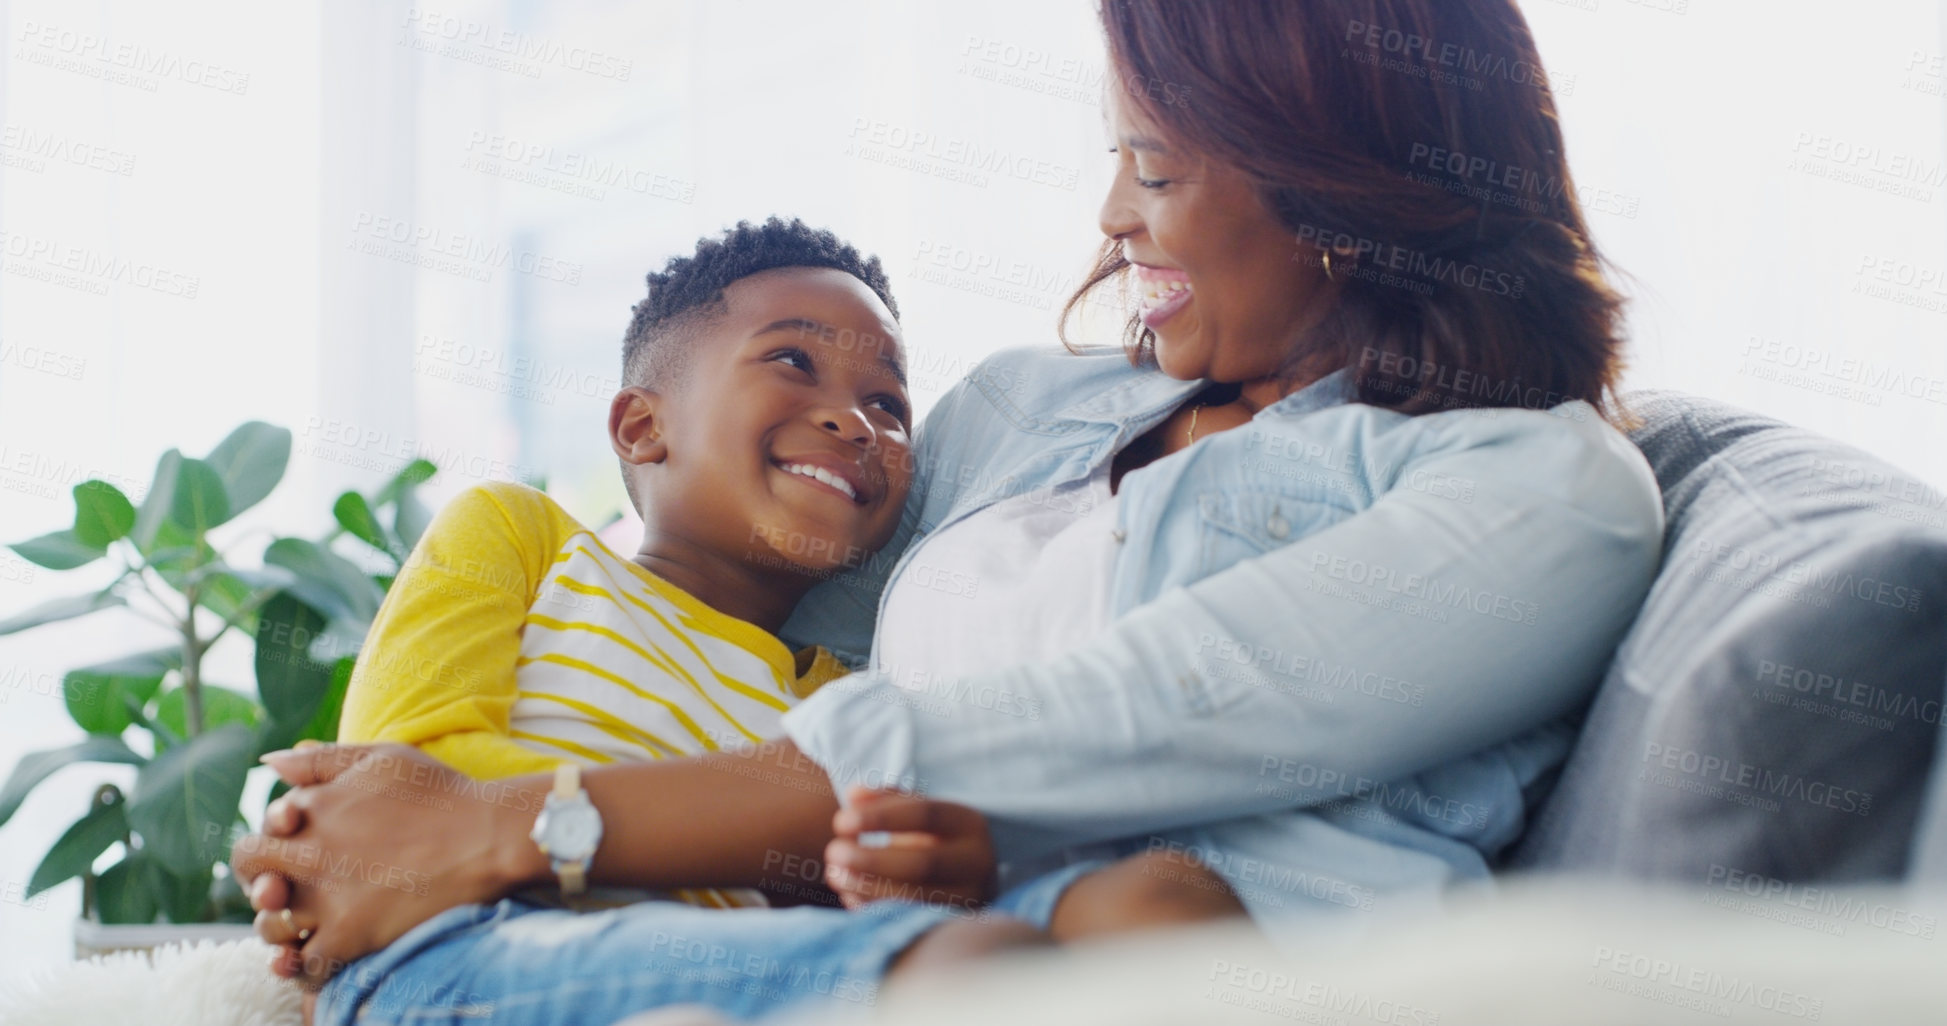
{"x": 1119, "y": 535}
{"x": 1278, "y": 526}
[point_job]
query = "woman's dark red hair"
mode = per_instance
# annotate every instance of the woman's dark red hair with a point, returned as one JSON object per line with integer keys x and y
{"x": 1467, "y": 281}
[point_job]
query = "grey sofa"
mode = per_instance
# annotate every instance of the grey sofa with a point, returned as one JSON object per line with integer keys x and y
{"x": 1775, "y": 709}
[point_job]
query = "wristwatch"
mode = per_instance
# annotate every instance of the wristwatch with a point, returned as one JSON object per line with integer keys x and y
{"x": 568, "y": 829}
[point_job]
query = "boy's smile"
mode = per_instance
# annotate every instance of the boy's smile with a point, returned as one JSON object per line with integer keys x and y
{"x": 837, "y": 476}
{"x": 785, "y": 445}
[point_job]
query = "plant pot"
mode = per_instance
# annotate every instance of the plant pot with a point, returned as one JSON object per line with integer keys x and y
{"x": 92, "y": 938}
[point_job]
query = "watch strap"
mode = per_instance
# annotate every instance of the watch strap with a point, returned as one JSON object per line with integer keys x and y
{"x": 573, "y": 876}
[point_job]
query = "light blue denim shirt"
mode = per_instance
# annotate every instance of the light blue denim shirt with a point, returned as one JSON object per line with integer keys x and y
{"x": 1348, "y": 643}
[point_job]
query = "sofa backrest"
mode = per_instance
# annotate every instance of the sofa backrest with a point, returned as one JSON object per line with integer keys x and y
{"x": 1773, "y": 712}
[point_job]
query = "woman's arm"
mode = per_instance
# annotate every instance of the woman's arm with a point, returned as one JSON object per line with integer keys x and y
{"x": 1283, "y": 680}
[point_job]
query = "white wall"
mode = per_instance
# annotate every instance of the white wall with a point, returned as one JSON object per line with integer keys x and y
{"x": 361, "y": 119}
{"x": 1730, "y": 126}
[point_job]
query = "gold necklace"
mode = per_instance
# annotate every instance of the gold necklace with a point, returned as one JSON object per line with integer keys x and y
{"x": 1190, "y": 437}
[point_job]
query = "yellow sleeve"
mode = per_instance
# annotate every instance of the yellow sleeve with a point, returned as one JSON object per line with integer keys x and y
{"x": 817, "y": 667}
{"x": 437, "y": 668}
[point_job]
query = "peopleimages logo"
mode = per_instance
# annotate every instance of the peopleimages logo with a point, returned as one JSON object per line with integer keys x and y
{"x": 1713, "y": 769}
{"x": 1412, "y": 269}
{"x": 1757, "y": 567}
{"x": 121, "y": 61}
{"x": 1865, "y": 699}
{"x": 1696, "y": 987}
{"x": 1215, "y": 653}
{"x": 1838, "y": 905}
{"x": 88, "y": 269}
{"x": 577, "y": 173}
{"x": 39, "y": 147}
{"x": 1431, "y": 590}
{"x": 520, "y": 46}
{"x": 1450, "y": 63}
{"x": 875, "y": 140}
{"x": 1320, "y": 784}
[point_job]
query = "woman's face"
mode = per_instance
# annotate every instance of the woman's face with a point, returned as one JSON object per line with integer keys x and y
{"x": 1216, "y": 272}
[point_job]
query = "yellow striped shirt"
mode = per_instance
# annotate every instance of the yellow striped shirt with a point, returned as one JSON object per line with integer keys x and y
{"x": 513, "y": 640}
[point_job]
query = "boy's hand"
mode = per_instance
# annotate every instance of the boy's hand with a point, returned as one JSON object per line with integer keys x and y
{"x": 894, "y": 845}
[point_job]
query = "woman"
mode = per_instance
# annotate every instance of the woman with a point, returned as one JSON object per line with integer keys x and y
{"x": 1303, "y": 590}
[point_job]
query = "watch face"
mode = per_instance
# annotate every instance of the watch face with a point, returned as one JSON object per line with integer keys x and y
{"x": 571, "y": 831}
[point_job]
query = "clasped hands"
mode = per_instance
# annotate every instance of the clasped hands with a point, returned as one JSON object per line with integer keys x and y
{"x": 373, "y": 840}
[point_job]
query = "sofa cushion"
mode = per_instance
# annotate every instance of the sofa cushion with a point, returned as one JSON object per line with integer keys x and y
{"x": 1773, "y": 711}
{"x": 1929, "y": 863}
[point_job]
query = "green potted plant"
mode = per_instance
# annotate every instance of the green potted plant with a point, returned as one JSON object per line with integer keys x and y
{"x": 305, "y": 608}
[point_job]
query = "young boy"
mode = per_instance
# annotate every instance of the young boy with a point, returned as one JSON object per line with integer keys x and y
{"x": 765, "y": 437}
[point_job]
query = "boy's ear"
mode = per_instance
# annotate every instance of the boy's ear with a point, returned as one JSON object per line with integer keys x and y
{"x": 635, "y": 426}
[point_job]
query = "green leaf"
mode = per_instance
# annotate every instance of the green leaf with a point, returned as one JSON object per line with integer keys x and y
{"x": 410, "y": 476}
{"x": 232, "y": 905}
{"x": 200, "y": 502}
{"x": 186, "y": 799}
{"x": 184, "y": 897}
{"x": 184, "y": 560}
{"x": 165, "y": 738}
{"x": 270, "y": 578}
{"x": 227, "y": 590}
{"x": 357, "y": 518}
{"x": 323, "y": 725}
{"x": 251, "y": 462}
{"x": 59, "y": 550}
{"x": 328, "y": 582}
{"x": 410, "y": 519}
{"x": 221, "y": 594}
{"x": 75, "y": 853}
{"x": 220, "y": 706}
{"x": 61, "y": 609}
{"x": 289, "y": 681}
{"x": 102, "y": 514}
{"x": 152, "y": 518}
{"x": 342, "y": 640}
{"x": 99, "y": 697}
{"x": 179, "y": 566}
{"x": 123, "y": 895}
{"x": 140, "y": 664}
{"x": 35, "y": 767}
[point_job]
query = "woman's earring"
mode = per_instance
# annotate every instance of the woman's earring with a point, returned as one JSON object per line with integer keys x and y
{"x": 1326, "y": 260}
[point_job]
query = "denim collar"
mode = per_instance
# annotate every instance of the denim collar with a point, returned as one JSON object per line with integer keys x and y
{"x": 1147, "y": 392}
{"x": 1141, "y": 392}
{"x": 1334, "y": 389}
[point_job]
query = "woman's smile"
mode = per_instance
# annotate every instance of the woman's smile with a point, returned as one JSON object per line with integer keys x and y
{"x": 1165, "y": 292}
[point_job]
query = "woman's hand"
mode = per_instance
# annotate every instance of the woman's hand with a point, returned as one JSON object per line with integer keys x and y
{"x": 892, "y": 845}
{"x": 375, "y": 840}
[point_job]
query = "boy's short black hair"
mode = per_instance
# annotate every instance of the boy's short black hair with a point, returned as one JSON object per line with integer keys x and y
{"x": 689, "y": 289}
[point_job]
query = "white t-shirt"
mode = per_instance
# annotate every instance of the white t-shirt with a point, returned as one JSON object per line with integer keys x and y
{"x": 1021, "y": 581}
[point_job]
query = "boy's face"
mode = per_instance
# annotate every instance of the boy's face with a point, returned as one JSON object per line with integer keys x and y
{"x": 788, "y": 437}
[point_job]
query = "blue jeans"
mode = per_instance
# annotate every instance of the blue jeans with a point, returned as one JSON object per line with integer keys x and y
{"x": 521, "y": 964}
